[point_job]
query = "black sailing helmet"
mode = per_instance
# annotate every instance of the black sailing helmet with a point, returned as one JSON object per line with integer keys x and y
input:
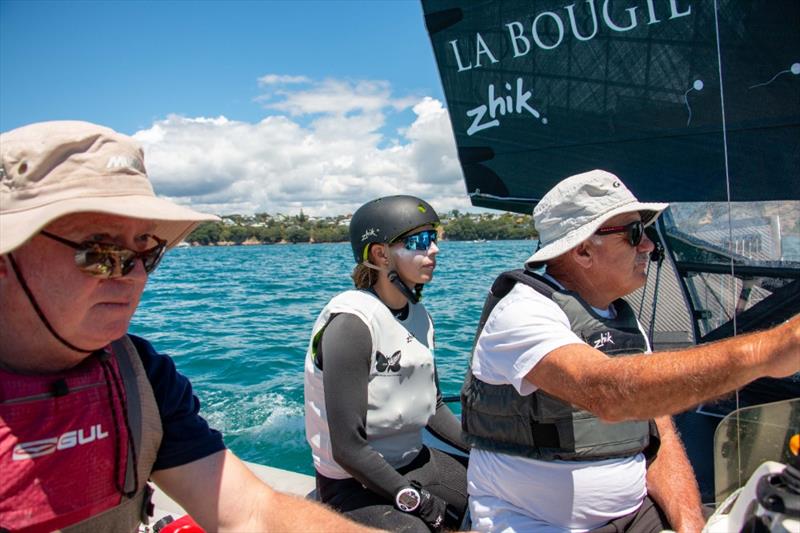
{"x": 385, "y": 219}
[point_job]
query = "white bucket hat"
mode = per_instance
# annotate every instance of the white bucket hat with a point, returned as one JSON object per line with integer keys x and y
{"x": 577, "y": 207}
{"x": 52, "y": 169}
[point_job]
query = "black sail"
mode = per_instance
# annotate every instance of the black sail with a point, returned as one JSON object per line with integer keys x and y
{"x": 692, "y": 102}
{"x": 667, "y": 94}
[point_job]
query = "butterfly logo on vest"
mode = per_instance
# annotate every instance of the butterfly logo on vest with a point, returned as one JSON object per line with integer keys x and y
{"x": 391, "y": 363}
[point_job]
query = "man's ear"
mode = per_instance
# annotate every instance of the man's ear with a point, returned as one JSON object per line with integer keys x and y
{"x": 583, "y": 254}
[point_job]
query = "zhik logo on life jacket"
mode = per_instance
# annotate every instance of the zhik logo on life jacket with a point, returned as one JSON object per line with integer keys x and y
{"x": 605, "y": 338}
{"x": 70, "y": 439}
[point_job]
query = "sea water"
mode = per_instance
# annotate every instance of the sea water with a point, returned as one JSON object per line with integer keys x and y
{"x": 237, "y": 321}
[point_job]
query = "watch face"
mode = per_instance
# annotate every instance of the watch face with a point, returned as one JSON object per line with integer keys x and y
{"x": 407, "y": 500}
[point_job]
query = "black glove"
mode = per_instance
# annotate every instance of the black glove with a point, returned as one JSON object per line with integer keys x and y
{"x": 415, "y": 500}
{"x": 432, "y": 510}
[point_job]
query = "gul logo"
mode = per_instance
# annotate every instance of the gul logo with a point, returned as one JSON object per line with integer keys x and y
{"x": 605, "y": 338}
{"x": 124, "y": 161}
{"x": 70, "y": 439}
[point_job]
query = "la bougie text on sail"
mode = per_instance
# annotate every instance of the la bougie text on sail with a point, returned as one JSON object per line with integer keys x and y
{"x": 547, "y": 30}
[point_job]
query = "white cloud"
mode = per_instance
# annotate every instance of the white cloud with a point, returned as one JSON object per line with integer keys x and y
{"x": 274, "y": 79}
{"x": 323, "y": 151}
{"x": 330, "y": 96}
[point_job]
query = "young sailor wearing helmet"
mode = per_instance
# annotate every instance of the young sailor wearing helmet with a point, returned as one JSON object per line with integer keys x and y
{"x": 371, "y": 383}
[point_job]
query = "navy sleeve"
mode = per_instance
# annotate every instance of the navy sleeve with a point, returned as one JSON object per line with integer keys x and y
{"x": 187, "y": 436}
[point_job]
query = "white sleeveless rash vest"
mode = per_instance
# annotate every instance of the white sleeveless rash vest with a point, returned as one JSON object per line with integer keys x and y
{"x": 401, "y": 390}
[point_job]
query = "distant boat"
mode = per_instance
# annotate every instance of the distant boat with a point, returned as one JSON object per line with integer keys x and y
{"x": 478, "y": 240}
{"x": 183, "y": 244}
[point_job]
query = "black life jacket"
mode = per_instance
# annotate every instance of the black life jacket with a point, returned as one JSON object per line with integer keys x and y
{"x": 540, "y": 426}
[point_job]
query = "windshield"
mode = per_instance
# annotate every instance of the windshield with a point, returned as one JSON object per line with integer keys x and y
{"x": 733, "y": 256}
{"x": 748, "y": 437}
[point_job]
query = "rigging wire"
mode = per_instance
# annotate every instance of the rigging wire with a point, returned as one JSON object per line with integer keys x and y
{"x": 730, "y": 223}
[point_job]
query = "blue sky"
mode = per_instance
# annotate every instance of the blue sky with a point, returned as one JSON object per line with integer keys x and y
{"x": 244, "y": 106}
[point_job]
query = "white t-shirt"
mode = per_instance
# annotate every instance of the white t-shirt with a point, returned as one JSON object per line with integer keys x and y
{"x": 512, "y": 493}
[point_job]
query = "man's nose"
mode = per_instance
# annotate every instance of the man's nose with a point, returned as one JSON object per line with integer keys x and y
{"x": 138, "y": 271}
{"x": 646, "y": 246}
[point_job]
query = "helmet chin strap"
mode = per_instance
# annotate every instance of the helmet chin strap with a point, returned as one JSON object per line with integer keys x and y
{"x": 413, "y": 297}
{"x": 38, "y": 309}
{"x": 394, "y": 278}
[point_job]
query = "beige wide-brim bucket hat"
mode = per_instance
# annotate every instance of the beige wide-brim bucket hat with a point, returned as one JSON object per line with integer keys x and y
{"x": 577, "y": 207}
{"x": 52, "y": 169}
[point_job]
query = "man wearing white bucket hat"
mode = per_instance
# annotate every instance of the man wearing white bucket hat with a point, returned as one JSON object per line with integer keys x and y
{"x": 88, "y": 413}
{"x": 564, "y": 432}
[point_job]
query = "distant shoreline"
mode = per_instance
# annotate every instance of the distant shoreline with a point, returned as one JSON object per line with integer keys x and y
{"x": 235, "y": 230}
{"x": 196, "y": 244}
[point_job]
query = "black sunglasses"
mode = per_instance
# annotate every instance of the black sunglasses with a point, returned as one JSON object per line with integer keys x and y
{"x": 635, "y": 231}
{"x": 105, "y": 260}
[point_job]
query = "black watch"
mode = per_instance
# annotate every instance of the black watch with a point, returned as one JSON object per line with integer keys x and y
{"x": 407, "y": 499}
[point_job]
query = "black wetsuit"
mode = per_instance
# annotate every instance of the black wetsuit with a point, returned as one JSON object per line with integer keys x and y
{"x": 368, "y": 497}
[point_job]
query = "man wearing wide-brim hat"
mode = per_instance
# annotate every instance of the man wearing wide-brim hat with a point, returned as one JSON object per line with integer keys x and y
{"x": 88, "y": 413}
{"x": 566, "y": 434}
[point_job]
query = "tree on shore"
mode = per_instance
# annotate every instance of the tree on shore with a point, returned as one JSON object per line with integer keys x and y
{"x": 268, "y": 229}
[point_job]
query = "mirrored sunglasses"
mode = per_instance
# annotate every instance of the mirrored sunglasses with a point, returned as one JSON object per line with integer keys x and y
{"x": 420, "y": 241}
{"x": 105, "y": 260}
{"x": 634, "y": 230}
